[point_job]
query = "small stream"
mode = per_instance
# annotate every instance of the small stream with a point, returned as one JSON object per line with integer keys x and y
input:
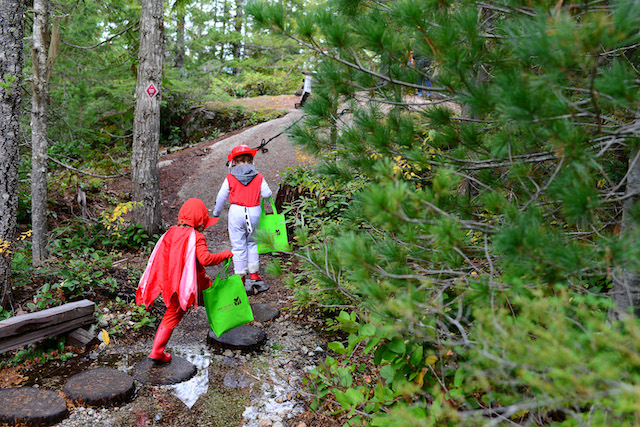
{"x": 189, "y": 391}
{"x": 231, "y": 387}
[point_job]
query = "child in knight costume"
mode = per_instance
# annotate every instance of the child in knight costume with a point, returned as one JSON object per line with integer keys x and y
{"x": 176, "y": 269}
{"x": 244, "y": 187}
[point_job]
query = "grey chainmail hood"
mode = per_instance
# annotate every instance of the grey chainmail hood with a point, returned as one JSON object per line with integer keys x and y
{"x": 244, "y": 173}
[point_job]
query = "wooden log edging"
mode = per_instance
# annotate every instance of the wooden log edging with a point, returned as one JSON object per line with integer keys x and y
{"x": 25, "y": 329}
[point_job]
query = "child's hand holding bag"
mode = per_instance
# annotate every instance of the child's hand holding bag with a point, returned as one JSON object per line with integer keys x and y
{"x": 226, "y": 302}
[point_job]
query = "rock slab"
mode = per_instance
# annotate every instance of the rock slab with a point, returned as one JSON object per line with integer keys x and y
{"x": 31, "y": 406}
{"x": 99, "y": 387}
{"x": 243, "y": 337}
{"x": 264, "y": 312}
{"x": 153, "y": 373}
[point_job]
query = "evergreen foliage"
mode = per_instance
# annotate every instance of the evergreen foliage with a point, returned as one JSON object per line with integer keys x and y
{"x": 91, "y": 101}
{"x": 94, "y": 75}
{"x": 476, "y": 261}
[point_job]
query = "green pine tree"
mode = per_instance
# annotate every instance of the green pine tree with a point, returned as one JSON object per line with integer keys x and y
{"x": 484, "y": 248}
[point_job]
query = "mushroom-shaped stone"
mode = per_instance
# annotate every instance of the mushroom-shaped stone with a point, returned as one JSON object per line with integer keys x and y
{"x": 31, "y": 406}
{"x": 243, "y": 337}
{"x": 264, "y": 312}
{"x": 99, "y": 387}
{"x": 151, "y": 372}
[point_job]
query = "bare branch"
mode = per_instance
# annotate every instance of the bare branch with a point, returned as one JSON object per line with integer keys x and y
{"x": 103, "y": 42}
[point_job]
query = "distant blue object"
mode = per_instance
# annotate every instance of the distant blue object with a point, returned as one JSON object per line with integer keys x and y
{"x": 419, "y": 93}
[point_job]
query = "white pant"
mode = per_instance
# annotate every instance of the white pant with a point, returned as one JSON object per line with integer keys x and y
{"x": 243, "y": 224}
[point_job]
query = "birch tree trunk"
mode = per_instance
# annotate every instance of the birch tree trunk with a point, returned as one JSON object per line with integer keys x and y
{"x": 146, "y": 126}
{"x": 11, "y": 34}
{"x": 625, "y": 290}
{"x": 39, "y": 146}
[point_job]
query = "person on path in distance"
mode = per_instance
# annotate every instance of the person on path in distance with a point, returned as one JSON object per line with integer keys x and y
{"x": 244, "y": 187}
{"x": 176, "y": 269}
{"x": 306, "y": 89}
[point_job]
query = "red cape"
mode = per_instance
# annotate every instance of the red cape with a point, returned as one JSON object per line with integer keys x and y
{"x": 171, "y": 269}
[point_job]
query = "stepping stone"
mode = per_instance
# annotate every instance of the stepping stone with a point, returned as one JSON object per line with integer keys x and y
{"x": 99, "y": 387}
{"x": 153, "y": 373}
{"x": 264, "y": 312}
{"x": 31, "y": 406}
{"x": 258, "y": 289}
{"x": 243, "y": 337}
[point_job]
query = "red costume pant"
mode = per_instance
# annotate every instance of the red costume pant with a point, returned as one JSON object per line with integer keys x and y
{"x": 173, "y": 315}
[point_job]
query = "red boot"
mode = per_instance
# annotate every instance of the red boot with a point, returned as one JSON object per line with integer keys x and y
{"x": 159, "y": 343}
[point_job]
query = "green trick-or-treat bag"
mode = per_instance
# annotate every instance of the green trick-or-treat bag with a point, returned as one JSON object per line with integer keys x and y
{"x": 274, "y": 228}
{"x": 226, "y": 302}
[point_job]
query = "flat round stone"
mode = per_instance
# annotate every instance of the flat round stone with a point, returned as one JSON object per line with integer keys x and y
{"x": 99, "y": 387}
{"x": 31, "y": 406}
{"x": 258, "y": 289}
{"x": 150, "y": 372}
{"x": 264, "y": 312}
{"x": 243, "y": 337}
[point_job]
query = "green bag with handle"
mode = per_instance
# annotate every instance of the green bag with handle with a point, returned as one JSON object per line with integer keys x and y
{"x": 274, "y": 227}
{"x": 226, "y": 302}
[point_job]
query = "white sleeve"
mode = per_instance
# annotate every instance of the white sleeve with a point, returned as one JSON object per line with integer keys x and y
{"x": 222, "y": 197}
{"x": 265, "y": 191}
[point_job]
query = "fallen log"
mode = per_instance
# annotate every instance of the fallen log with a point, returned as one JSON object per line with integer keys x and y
{"x": 25, "y": 329}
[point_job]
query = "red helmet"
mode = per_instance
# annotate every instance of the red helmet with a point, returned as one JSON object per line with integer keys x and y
{"x": 241, "y": 149}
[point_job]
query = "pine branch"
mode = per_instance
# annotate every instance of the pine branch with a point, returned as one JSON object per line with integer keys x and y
{"x": 372, "y": 73}
{"x": 508, "y": 10}
{"x": 546, "y": 186}
{"x": 85, "y": 172}
{"x": 106, "y": 41}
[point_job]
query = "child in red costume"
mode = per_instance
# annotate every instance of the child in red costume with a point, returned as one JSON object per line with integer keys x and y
{"x": 244, "y": 187}
{"x": 176, "y": 269}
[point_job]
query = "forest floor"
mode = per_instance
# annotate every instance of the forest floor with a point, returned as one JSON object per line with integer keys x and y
{"x": 257, "y": 388}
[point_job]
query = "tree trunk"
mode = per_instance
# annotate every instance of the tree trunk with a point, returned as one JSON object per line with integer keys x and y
{"x": 236, "y": 46}
{"x": 39, "y": 146}
{"x": 146, "y": 126}
{"x": 11, "y": 34}
{"x": 180, "y": 44}
{"x": 625, "y": 291}
{"x": 223, "y": 28}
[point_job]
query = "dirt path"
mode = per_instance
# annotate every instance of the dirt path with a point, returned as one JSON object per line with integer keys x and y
{"x": 232, "y": 387}
{"x": 205, "y": 182}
